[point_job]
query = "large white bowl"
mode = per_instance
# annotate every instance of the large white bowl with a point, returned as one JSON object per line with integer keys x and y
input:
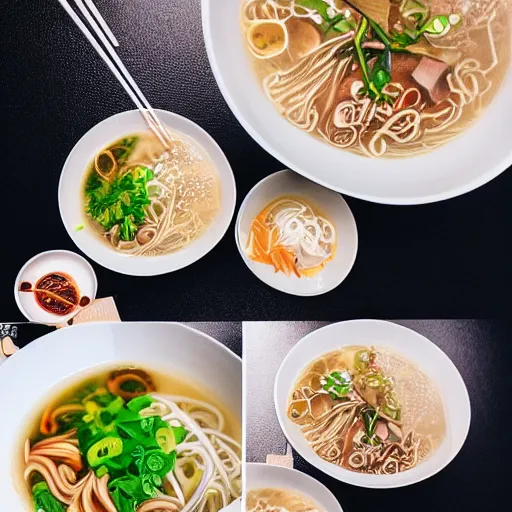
{"x": 330, "y": 203}
{"x": 71, "y": 202}
{"x": 32, "y": 375}
{"x": 476, "y": 157}
{"x": 261, "y": 476}
{"x": 417, "y": 349}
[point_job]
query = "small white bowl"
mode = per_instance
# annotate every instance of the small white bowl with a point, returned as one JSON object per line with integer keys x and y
{"x": 71, "y": 200}
{"x": 417, "y": 349}
{"x": 474, "y": 158}
{"x": 330, "y": 203}
{"x": 47, "y": 262}
{"x": 261, "y": 476}
{"x": 57, "y": 360}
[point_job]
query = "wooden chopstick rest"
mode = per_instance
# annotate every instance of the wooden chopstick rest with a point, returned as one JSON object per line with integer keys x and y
{"x": 282, "y": 460}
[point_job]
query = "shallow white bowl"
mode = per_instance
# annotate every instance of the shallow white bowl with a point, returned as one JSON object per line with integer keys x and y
{"x": 31, "y": 376}
{"x": 260, "y": 476}
{"x": 417, "y": 349}
{"x": 47, "y": 262}
{"x": 330, "y": 204}
{"x": 483, "y": 152}
{"x": 71, "y": 201}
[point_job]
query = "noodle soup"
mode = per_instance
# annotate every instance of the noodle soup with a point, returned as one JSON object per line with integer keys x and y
{"x": 380, "y": 78}
{"x": 368, "y": 410}
{"x": 145, "y": 200}
{"x": 128, "y": 439}
{"x": 279, "y": 500}
{"x": 293, "y": 237}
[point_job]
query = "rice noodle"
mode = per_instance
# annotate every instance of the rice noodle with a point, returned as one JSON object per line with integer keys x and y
{"x": 296, "y": 91}
{"x": 278, "y": 500}
{"x": 208, "y": 446}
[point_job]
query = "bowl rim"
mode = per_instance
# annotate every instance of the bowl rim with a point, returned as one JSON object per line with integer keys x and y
{"x": 68, "y": 338}
{"x": 245, "y": 258}
{"x": 166, "y": 263}
{"x": 108, "y": 323}
{"x": 305, "y": 476}
{"x": 483, "y": 179}
{"x": 336, "y": 471}
{"x": 46, "y": 253}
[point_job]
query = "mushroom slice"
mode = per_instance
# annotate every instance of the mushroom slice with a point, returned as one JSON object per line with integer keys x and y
{"x": 304, "y": 38}
{"x": 267, "y": 38}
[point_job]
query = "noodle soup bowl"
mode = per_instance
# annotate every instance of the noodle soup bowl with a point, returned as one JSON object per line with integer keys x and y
{"x": 67, "y": 356}
{"x": 417, "y": 349}
{"x": 71, "y": 196}
{"x": 470, "y": 160}
{"x": 325, "y": 202}
{"x": 265, "y": 476}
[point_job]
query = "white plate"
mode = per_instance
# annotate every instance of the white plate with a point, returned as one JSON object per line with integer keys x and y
{"x": 44, "y": 263}
{"x": 71, "y": 202}
{"x": 260, "y": 476}
{"x": 471, "y": 160}
{"x": 330, "y": 203}
{"x": 48, "y": 363}
{"x": 417, "y": 349}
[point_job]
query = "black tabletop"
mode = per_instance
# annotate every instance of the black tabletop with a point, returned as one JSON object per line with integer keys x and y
{"x": 473, "y": 481}
{"x": 444, "y": 260}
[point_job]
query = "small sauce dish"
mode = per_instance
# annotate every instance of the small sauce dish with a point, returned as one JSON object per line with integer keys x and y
{"x": 53, "y": 286}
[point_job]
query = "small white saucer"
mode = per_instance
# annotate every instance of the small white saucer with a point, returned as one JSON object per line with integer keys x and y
{"x": 330, "y": 203}
{"x": 44, "y": 263}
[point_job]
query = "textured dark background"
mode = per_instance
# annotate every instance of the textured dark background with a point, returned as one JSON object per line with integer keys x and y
{"x": 445, "y": 260}
{"x": 473, "y": 481}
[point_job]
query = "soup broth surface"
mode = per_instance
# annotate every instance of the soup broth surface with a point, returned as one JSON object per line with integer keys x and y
{"x": 380, "y": 78}
{"x": 135, "y": 433}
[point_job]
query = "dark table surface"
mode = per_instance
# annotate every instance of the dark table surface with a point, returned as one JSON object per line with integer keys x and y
{"x": 473, "y": 481}
{"x": 445, "y": 260}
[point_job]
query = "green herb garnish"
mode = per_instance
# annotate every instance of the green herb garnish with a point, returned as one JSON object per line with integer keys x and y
{"x": 376, "y": 77}
{"x": 317, "y": 5}
{"x": 370, "y": 417}
{"x": 135, "y": 451}
{"x": 44, "y": 500}
{"x": 337, "y": 384}
{"x": 122, "y": 201}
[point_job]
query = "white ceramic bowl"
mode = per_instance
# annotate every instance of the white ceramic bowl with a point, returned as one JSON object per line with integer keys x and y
{"x": 31, "y": 376}
{"x": 330, "y": 204}
{"x": 417, "y": 349}
{"x": 260, "y": 476}
{"x": 47, "y": 262}
{"x": 71, "y": 195}
{"x": 479, "y": 155}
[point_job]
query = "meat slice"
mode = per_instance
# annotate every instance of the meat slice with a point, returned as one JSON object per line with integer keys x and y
{"x": 431, "y": 75}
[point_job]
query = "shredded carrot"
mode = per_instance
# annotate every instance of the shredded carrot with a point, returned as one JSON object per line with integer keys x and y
{"x": 262, "y": 247}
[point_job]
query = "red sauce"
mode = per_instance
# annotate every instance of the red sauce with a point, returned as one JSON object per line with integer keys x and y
{"x": 84, "y": 301}
{"x": 56, "y": 293}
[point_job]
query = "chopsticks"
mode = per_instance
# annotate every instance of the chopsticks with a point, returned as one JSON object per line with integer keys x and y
{"x": 102, "y": 31}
